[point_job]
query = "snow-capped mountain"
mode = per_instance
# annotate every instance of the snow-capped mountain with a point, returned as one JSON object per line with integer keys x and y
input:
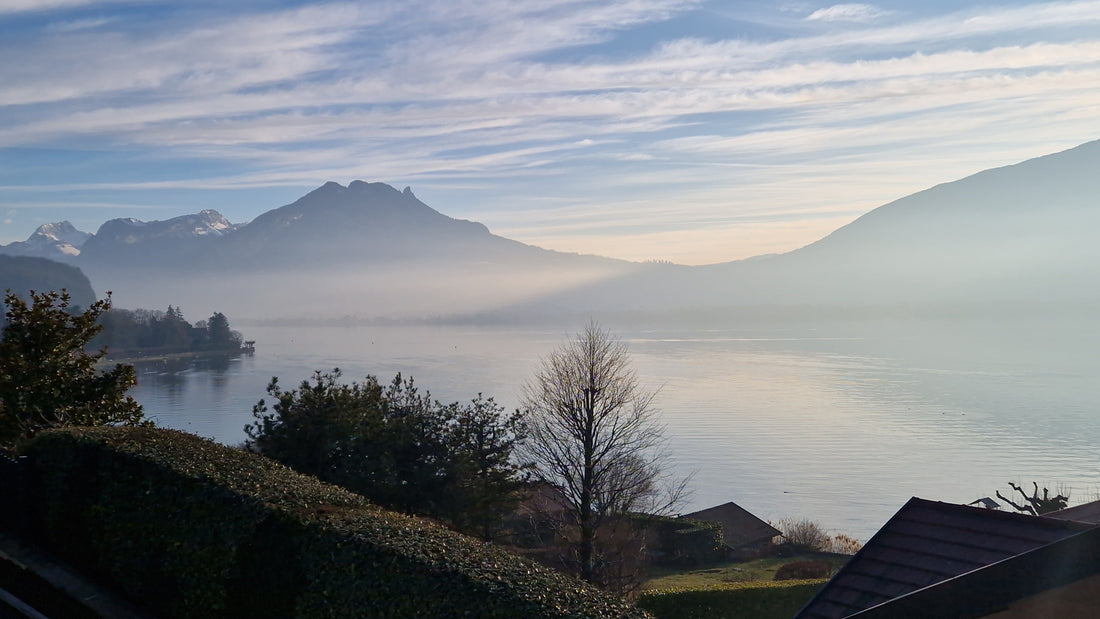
{"x": 57, "y": 241}
{"x": 130, "y": 241}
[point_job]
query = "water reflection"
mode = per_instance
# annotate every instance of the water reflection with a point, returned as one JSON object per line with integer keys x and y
{"x": 841, "y": 423}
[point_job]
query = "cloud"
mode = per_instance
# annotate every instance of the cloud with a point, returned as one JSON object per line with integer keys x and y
{"x": 858, "y": 13}
{"x": 412, "y": 91}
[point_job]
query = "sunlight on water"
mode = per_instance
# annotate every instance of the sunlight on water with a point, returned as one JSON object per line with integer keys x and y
{"x": 842, "y": 428}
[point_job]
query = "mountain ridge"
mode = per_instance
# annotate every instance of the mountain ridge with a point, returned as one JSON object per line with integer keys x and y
{"x": 1014, "y": 235}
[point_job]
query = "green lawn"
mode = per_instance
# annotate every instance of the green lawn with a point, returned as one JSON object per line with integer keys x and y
{"x": 746, "y": 571}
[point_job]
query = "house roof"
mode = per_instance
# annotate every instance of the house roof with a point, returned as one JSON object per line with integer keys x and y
{"x": 926, "y": 543}
{"x": 1055, "y": 580}
{"x": 739, "y": 527}
{"x": 1086, "y": 512}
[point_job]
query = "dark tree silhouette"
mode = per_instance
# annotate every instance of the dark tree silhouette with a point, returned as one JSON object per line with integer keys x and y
{"x": 1035, "y": 505}
{"x": 47, "y": 376}
{"x": 396, "y": 446}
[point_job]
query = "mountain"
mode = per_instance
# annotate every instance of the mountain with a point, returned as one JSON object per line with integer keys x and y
{"x": 1015, "y": 239}
{"x": 336, "y": 226}
{"x": 364, "y": 249}
{"x": 1020, "y": 233}
{"x": 1011, "y": 239}
{"x": 161, "y": 244}
{"x": 21, "y": 274}
{"x": 57, "y": 241}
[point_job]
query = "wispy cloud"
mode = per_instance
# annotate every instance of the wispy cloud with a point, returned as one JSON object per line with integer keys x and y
{"x": 42, "y": 6}
{"x": 506, "y": 97}
{"x": 861, "y": 13}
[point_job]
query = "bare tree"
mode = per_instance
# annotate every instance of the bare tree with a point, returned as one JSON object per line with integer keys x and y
{"x": 594, "y": 435}
{"x": 1035, "y": 505}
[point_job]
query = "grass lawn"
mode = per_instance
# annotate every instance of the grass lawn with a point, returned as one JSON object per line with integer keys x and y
{"x": 746, "y": 571}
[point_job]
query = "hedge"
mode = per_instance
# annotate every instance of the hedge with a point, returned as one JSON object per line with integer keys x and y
{"x": 759, "y": 600}
{"x": 191, "y": 528}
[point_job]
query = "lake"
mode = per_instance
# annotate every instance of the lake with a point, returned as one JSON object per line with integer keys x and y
{"x": 840, "y": 422}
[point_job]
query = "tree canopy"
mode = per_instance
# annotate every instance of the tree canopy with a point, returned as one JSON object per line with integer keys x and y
{"x": 396, "y": 446}
{"x": 48, "y": 378}
{"x": 144, "y": 331}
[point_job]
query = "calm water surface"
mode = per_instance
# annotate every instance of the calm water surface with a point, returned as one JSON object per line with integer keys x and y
{"x": 841, "y": 423}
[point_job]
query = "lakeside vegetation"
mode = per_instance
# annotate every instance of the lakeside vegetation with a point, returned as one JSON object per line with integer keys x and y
{"x": 143, "y": 333}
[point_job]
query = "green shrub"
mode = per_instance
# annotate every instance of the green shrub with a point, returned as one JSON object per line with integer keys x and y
{"x": 699, "y": 541}
{"x": 684, "y": 541}
{"x": 192, "y": 528}
{"x": 759, "y": 600}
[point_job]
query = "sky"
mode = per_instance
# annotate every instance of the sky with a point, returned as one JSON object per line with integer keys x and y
{"x": 691, "y": 131}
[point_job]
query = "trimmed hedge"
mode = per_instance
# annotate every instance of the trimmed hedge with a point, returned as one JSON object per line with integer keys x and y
{"x": 759, "y": 600}
{"x": 191, "y": 528}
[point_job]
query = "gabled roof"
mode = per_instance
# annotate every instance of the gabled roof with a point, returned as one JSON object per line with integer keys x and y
{"x": 739, "y": 527}
{"x": 926, "y": 543}
{"x": 1058, "y": 579}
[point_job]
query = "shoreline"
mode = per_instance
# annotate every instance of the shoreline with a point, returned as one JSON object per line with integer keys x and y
{"x": 134, "y": 358}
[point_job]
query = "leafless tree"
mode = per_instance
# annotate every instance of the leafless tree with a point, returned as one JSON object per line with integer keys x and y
{"x": 594, "y": 434}
{"x": 1035, "y": 505}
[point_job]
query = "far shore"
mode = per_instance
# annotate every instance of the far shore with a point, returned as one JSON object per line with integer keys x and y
{"x": 131, "y": 356}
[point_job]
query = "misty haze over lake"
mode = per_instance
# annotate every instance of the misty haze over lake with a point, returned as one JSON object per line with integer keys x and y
{"x": 840, "y": 421}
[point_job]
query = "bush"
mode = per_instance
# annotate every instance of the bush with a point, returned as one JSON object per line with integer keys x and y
{"x": 804, "y": 535}
{"x": 803, "y": 570}
{"x": 844, "y": 544}
{"x": 192, "y": 528}
{"x": 759, "y": 600}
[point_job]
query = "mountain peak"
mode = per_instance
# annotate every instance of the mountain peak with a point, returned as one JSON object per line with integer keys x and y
{"x": 58, "y": 241}
{"x": 61, "y": 232}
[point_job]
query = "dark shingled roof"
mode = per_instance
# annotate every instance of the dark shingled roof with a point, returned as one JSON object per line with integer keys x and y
{"x": 926, "y": 543}
{"x": 739, "y": 527}
{"x": 1087, "y": 512}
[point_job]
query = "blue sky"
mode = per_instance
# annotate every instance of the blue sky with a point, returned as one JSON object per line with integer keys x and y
{"x": 690, "y": 131}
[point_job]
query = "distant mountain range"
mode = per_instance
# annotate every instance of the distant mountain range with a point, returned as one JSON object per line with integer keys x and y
{"x": 331, "y": 226}
{"x": 1022, "y": 235}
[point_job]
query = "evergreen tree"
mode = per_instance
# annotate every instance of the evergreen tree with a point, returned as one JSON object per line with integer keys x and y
{"x": 47, "y": 376}
{"x": 396, "y": 446}
{"x": 219, "y": 335}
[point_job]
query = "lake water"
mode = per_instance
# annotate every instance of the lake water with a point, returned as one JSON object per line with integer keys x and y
{"x": 838, "y": 422}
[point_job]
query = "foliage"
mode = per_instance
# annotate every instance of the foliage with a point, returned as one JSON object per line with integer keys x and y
{"x": 594, "y": 435}
{"x": 218, "y": 334}
{"x": 396, "y": 446}
{"x": 1036, "y": 505}
{"x": 685, "y": 541}
{"x": 803, "y": 570}
{"x": 147, "y": 331}
{"x": 759, "y": 600}
{"x": 48, "y": 378}
{"x": 197, "y": 529}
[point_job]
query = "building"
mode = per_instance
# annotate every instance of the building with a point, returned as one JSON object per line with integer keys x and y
{"x": 943, "y": 560}
{"x": 742, "y": 532}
